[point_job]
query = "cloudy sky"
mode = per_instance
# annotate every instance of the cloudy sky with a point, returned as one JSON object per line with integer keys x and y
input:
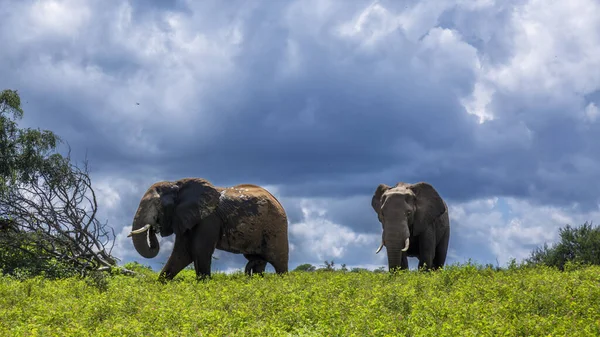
{"x": 495, "y": 103}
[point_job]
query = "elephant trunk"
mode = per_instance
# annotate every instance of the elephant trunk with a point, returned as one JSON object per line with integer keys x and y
{"x": 394, "y": 258}
{"x": 144, "y": 237}
{"x": 396, "y": 242}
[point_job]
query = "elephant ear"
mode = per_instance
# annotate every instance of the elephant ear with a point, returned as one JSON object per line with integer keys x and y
{"x": 168, "y": 195}
{"x": 197, "y": 199}
{"x": 376, "y": 200}
{"x": 429, "y": 203}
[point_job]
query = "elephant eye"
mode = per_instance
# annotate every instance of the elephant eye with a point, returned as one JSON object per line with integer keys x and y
{"x": 408, "y": 213}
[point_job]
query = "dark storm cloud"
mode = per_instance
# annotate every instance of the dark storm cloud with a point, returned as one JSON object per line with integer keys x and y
{"x": 487, "y": 30}
{"x": 297, "y": 129}
{"x": 311, "y": 127}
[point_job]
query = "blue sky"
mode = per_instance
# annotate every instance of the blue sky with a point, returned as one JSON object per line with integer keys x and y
{"x": 495, "y": 103}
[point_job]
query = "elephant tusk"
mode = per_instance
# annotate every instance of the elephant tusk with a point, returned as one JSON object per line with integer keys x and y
{"x": 380, "y": 246}
{"x": 406, "y": 244}
{"x": 141, "y": 230}
{"x": 148, "y": 240}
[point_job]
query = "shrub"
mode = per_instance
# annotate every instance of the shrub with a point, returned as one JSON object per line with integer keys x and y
{"x": 467, "y": 300}
{"x": 580, "y": 245}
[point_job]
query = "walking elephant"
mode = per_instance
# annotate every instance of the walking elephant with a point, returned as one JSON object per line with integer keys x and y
{"x": 243, "y": 219}
{"x": 415, "y": 223}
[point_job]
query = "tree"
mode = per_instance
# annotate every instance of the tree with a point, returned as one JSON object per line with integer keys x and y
{"x": 23, "y": 152}
{"x": 358, "y": 270}
{"x": 48, "y": 207}
{"x": 305, "y": 267}
{"x": 579, "y": 245}
{"x": 329, "y": 266}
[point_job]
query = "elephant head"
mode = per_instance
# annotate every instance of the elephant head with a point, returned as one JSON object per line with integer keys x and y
{"x": 171, "y": 207}
{"x": 405, "y": 211}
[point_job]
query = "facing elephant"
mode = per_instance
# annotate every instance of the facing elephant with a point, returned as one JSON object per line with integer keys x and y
{"x": 415, "y": 223}
{"x": 243, "y": 219}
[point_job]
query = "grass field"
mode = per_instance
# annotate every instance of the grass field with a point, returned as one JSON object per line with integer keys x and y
{"x": 459, "y": 301}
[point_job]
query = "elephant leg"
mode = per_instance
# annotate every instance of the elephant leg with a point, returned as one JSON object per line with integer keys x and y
{"x": 249, "y": 266}
{"x": 255, "y": 267}
{"x": 404, "y": 261}
{"x": 426, "y": 251}
{"x": 256, "y": 264}
{"x": 277, "y": 253}
{"x": 259, "y": 267}
{"x": 280, "y": 264}
{"x": 440, "y": 252}
{"x": 202, "y": 245}
{"x": 179, "y": 259}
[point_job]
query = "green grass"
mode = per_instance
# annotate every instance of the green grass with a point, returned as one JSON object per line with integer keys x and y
{"x": 458, "y": 301}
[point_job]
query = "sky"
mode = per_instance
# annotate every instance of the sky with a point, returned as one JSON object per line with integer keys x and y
{"x": 494, "y": 103}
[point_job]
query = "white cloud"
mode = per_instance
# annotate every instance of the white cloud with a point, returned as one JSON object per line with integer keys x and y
{"x": 322, "y": 239}
{"x": 107, "y": 194}
{"x": 591, "y": 112}
{"x": 229, "y": 270}
{"x": 54, "y": 17}
{"x": 511, "y": 230}
{"x": 445, "y": 57}
{"x": 477, "y": 102}
{"x": 474, "y": 219}
{"x": 549, "y": 61}
{"x": 373, "y": 24}
{"x": 369, "y": 266}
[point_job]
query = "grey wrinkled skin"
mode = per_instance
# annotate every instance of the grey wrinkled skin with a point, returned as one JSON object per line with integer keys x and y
{"x": 414, "y": 211}
{"x": 243, "y": 219}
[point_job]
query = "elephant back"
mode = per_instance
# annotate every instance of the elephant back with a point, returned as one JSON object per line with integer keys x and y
{"x": 243, "y": 203}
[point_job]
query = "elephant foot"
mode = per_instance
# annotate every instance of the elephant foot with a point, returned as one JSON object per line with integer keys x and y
{"x": 164, "y": 277}
{"x": 255, "y": 267}
{"x": 203, "y": 277}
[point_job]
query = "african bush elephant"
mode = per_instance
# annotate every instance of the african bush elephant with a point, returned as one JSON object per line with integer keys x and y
{"x": 243, "y": 219}
{"x": 415, "y": 223}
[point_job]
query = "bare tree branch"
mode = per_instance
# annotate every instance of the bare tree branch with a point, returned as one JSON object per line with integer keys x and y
{"x": 58, "y": 213}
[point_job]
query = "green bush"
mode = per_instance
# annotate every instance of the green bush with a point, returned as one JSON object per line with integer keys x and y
{"x": 305, "y": 267}
{"x": 580, "y": 246}
{"x": 48, "y": 224}
{"x": 29, "y": 260}
{"x": 460, "y": 300}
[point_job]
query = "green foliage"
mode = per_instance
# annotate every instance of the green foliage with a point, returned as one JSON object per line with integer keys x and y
{"x": 329, "y": 266}
{"x": 358, "y": 270}
{"x": 23, "y": 152}
{"x": 28, "y": 260}
{"x": 580, "y": 245}
{"x": 305, "y": 267}
{"x": 466, "y": 300}
{"x": 45, "y": 228}
{"x": 142, "y": 270}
